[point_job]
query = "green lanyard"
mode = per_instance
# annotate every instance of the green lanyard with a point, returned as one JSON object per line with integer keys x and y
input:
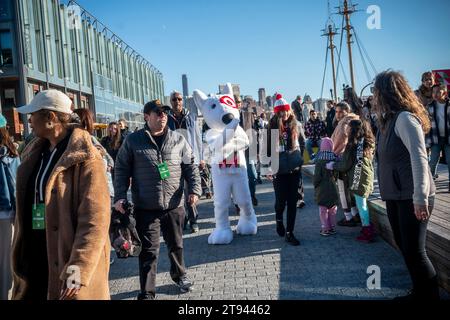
{"x": 38, "y": 209}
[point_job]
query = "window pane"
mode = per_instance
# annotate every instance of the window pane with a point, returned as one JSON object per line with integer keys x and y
{"x": 6, "y": 57}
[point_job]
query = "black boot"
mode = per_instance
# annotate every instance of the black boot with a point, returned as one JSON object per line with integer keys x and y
{"x": 290, "y": 238}
{"x": 280, "y": 228}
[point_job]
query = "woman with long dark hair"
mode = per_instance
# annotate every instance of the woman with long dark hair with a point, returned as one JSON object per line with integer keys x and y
{"x": 9, "y": 161}
{"x": 356, "y": 164}
{"x": 286, "y": 176}
{"x": 352, "y": 99}
{"x": 113, "y": 140}
{"x": 404, "y": 176}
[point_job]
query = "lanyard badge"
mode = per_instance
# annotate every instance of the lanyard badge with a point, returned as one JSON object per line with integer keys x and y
{"x": 163, "y": 170}
{"x": 38, "y": 216}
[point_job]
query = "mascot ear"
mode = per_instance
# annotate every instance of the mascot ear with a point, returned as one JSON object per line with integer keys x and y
{"x": 228, "y": 89}
{"x": 200, "y": 98}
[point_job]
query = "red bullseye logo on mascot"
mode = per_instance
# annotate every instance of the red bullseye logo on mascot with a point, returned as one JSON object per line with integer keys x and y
{"x": 228, "y": 101}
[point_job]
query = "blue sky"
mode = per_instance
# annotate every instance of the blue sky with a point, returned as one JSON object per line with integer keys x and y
{"x": 275, "y": 45}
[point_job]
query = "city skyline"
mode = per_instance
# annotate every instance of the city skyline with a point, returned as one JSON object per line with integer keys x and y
{"x": 288, "y": 57}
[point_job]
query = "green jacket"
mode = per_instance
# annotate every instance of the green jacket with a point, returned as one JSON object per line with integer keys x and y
{"x": 325, "y": 188}
{"x": 364, "y": 187}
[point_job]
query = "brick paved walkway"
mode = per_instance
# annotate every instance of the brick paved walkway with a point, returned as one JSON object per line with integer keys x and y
{"x": 265, "y": 267}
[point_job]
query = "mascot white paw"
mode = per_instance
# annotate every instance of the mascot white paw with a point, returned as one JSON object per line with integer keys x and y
{"x": 221, "y": 236}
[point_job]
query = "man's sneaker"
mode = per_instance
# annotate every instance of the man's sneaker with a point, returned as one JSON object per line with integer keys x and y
{"x": 332, "y": 231}
{"x": 184, "y": 284}
{"x": 290, "y": 238}
{"x": 195, "y": 228}
{"x": 325, "y": 233}
{"x": 254, "y": 201}
{"x": 301, "y": 204}
{"x": 143, "y": 296}
{"x": 347, "y": 223}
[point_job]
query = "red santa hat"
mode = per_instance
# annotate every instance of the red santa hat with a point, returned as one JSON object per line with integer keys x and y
{"x": 281, "y": 104}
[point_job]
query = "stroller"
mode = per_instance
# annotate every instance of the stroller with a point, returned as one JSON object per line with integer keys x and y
{"x": 124, "y": 237}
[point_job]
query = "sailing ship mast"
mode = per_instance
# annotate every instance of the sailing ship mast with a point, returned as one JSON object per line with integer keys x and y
{"x": 347, "y": 11}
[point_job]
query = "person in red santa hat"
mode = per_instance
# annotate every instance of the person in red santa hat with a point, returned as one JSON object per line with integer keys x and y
{"x": 284, "y": 143}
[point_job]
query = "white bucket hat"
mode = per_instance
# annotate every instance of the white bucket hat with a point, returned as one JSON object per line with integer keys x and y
{"x": 52, "y": 100}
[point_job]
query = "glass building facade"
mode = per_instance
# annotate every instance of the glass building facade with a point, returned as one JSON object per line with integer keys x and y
{"x": 62, "y": 46}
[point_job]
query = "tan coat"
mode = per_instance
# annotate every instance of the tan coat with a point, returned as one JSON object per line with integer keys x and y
{"x": 77, "y": 219}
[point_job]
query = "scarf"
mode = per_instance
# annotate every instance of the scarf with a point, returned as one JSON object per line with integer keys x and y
{"x": 359, "y": 165}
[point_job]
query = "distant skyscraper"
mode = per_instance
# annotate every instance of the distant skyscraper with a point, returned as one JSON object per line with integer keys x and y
{"x": 236, "y": 89}
{"x": 262, "y": 97}
{"x": 269, "y": 102}
{"x": 185, "y": 85}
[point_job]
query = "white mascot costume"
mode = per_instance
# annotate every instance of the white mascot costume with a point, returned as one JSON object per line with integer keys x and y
{"x": 227, "y": 142}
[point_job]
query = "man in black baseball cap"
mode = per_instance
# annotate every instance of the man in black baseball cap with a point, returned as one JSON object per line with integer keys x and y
{"x": 156, "y": 106}
{"x": 158, "y": 160}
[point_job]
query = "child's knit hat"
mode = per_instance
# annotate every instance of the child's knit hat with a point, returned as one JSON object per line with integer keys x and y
{"x": 326, "y": 144}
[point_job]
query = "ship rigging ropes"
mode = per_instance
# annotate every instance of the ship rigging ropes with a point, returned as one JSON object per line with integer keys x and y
{"x": 325, "y": 68}
{"x": 365, "y": 58}
{"x": 339, "y": 55}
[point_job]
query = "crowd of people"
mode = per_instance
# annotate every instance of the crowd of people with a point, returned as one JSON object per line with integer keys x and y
{"x": 59, "y": 190}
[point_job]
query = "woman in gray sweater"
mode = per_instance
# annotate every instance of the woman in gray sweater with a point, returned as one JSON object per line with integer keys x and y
{"x": 405, "y": 179}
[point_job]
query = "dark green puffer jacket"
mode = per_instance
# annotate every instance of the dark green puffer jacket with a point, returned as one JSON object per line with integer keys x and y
{"x": 364, "y": 185}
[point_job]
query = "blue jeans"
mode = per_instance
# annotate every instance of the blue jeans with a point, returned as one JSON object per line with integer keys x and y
{"x": 310, "y": 143}
{"x": 436, "y": 154}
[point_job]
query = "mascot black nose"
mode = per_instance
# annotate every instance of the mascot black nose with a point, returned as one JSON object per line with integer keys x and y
{"x": 227, "y": 118}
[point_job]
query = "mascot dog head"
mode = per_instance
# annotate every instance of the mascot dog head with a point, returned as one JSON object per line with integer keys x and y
{"x": 219, "y": 111}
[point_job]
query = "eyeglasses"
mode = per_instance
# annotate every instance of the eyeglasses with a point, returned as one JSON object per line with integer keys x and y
{"x": 177, "y": 99}
{"x": 160, "y": 113}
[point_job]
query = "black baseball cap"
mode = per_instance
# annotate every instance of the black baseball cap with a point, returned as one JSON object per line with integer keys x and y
{"x": 156, "y": 106}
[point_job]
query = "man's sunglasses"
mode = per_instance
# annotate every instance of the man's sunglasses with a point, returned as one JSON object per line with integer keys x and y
{"x": 160, "y": 113}
{"x": 177, "y": 99}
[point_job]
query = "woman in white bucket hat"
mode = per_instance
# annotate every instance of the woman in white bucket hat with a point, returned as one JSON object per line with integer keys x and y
{"x": 61, "y": 245}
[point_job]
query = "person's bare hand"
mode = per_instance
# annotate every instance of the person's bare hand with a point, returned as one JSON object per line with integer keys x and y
{"x": 69, "y": 294}
{"x": 192, "y": 200}
{"x": 119, "y": 206}
{"x": 422, "y": 212}
{"x": 269, "y": 177}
